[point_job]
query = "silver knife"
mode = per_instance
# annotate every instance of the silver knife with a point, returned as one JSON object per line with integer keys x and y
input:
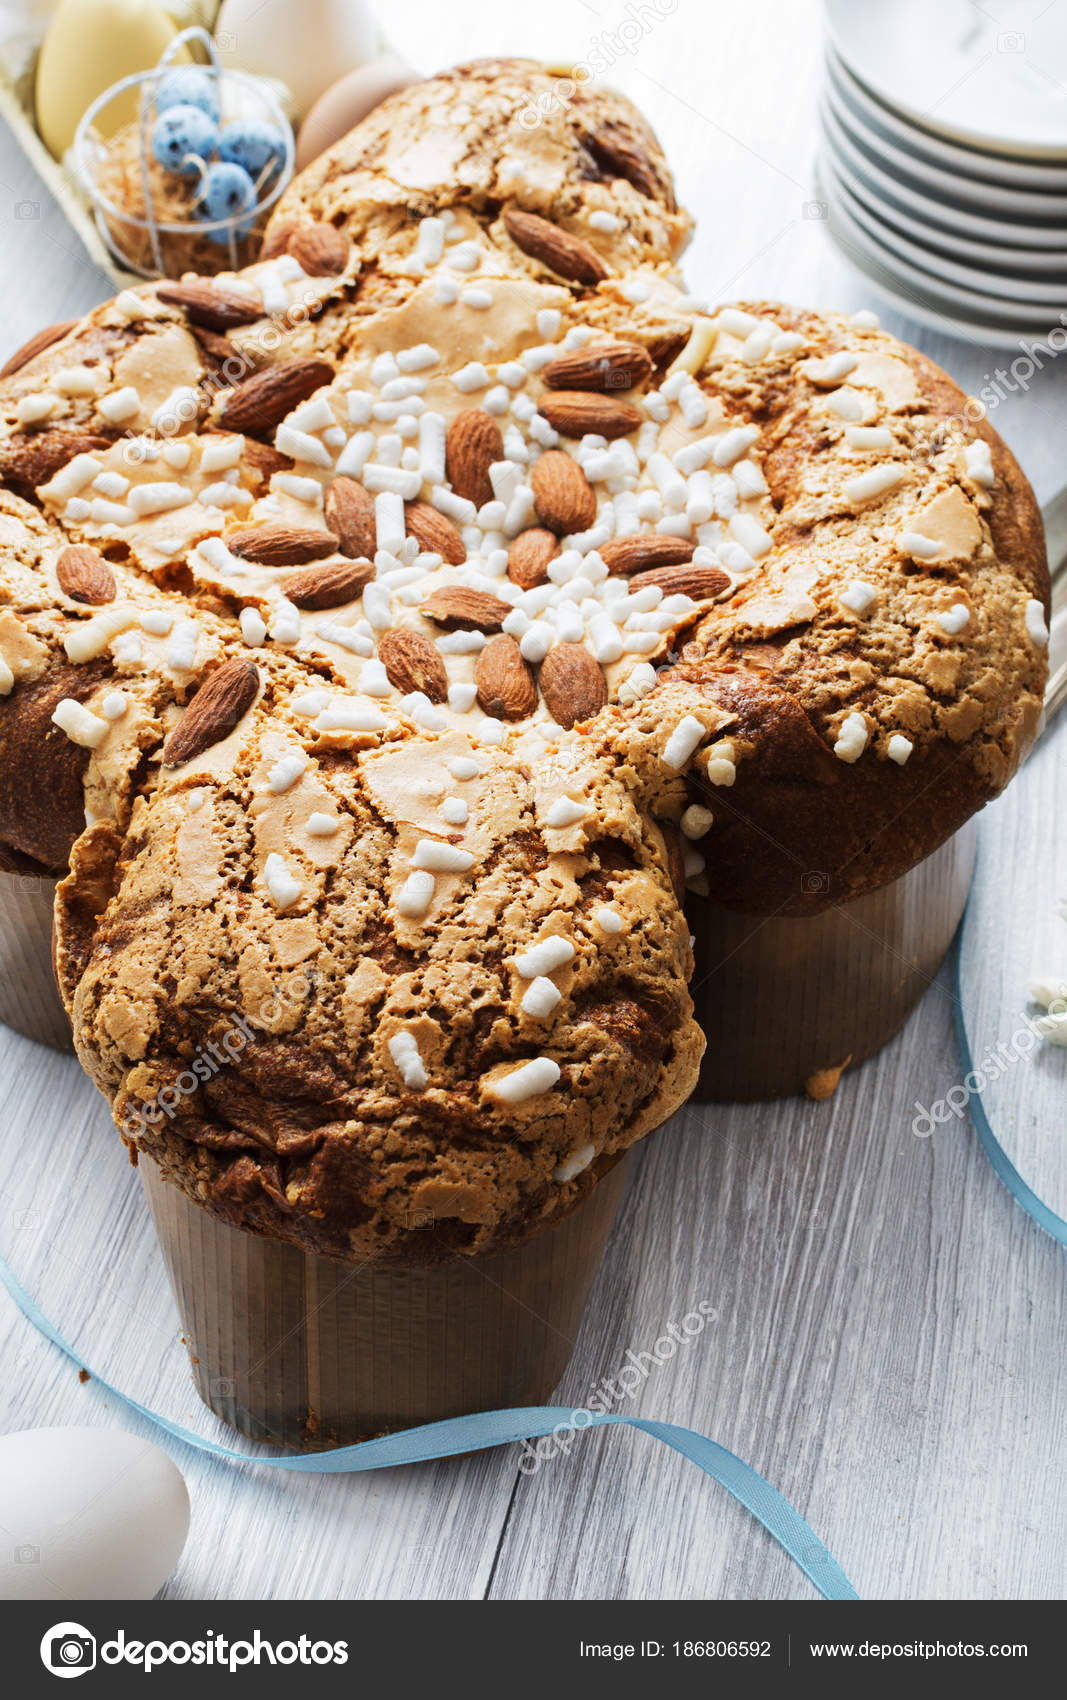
{"x": 1054, "y": 514}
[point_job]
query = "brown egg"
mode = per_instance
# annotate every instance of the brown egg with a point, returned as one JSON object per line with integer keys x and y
{"x": 348, "y": 101}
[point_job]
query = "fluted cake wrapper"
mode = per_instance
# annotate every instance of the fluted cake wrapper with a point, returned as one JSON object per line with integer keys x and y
{"x": 303, "y": 1352}
{"x": 29, "y": 1000}
{"x": 785, "y": 1003}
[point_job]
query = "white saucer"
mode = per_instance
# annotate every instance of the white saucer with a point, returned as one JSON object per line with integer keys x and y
{"x": 910, "y": 258}
{"x": 997, "y": 82}
{"x": 973, "y": 162}
{"x": 987, "y": 254}
{"x": 881, "y": 186}
{"x": 972, "y": 303}
{"x": 927, "y": 304}
{"x": 953, "y": 186}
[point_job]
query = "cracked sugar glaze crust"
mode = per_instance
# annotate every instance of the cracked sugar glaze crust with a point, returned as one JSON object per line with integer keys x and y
{"x": 374, "y": 618}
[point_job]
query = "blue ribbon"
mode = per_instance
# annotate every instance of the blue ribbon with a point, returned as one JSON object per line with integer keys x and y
{"x": 502, "y": 1428}
{"x": 484, "y": 1429}
{"x": 1042, "y": 1213}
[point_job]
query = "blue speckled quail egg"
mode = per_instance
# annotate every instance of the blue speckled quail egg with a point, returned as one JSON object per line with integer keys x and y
{"x": 226, "y": 192}
{"x": 189, "y": 86}
{"x": 252, "y": 144}
{"x": 182, "y": 131}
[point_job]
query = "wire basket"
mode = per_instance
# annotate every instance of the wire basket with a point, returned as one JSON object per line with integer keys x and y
{"x": 143, "y": 213}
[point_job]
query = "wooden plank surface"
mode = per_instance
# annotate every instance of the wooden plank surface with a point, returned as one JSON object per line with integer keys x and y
{"x": 886, "y": 1338}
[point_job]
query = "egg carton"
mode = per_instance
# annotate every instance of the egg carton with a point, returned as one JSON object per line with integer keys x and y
{"x": 18, "y": 71}
{"x": 18, "y": 74}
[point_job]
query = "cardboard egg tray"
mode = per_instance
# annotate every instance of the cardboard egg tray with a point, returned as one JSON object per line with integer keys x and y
{"x": 18, "y": 69}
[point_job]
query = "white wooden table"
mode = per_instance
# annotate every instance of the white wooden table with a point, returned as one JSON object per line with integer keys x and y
{"x": 888, "y": 1337}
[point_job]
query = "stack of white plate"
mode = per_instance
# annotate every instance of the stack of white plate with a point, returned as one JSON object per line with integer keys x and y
{"x": 944, "y": 160}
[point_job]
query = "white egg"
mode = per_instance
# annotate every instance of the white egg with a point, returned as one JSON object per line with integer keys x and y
{"x": 90, "y": 46}
{"x": 346, "y": 103}
{"x": 246, "y": 99}
{"x": 88, "y": 1514}
{"x": 307, "y": 44}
